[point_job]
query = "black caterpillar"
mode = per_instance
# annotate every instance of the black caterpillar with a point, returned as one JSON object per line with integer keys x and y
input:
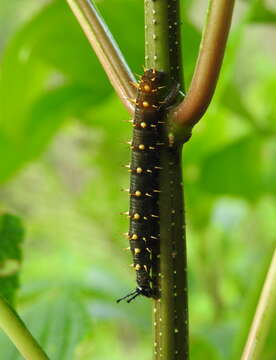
{"x": 144, "y": 230}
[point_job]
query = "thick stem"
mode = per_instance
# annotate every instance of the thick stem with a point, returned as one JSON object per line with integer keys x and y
{"x": 210, "y": 57}
{"x": 16, "y": 330}
{"x": 106, "y": 49}
{"x": 171, "y": 310}
{"x": 162, "y": 37}
{"x": 163, "y": 52}
{"x": 263, "y": 316}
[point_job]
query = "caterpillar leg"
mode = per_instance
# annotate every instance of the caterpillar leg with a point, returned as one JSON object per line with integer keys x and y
{"x": 145, "y": 291}
{"x": 131, "y": 296}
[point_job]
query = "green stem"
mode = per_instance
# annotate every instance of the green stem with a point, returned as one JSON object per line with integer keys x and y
{"x": 264, "y": 315}
{"x": 162, "y": 37}
{"x": 16, "y": 330}
{"x": 170, "y": 312}
{"x": 106, "y": 49}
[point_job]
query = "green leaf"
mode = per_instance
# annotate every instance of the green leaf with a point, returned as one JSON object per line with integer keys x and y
{"x": 202, "y": 349}
{"x": 261, "y": 13}
{"x": 235, "y": 169}
{"x": 59, "y": 323}
{"x": 11, "y": 237}
{"x": 44, "y": 118}
{"x": 36, "y": 95}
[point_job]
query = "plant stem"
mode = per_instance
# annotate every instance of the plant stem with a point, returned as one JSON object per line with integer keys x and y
{"x": 209, "y": 62}
{"x": 263, "y": 317}
{"x": 106, "y": 49}
{"x": 16, "y": 330}
{"x": 170, "y": 312}
{"x": 162, "y": 37}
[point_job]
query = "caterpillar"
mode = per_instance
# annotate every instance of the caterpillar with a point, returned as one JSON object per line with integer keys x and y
{"x": 144, "y": 233}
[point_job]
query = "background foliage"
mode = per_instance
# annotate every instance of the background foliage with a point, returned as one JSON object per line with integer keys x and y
{"x": 62, "y": 135}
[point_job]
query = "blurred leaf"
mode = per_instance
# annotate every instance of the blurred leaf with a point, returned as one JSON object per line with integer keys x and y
{"x": 43, "y": 96}
{"x": 261, "y": 13}
{"x": 11, "y": 237}
{"x": 235, "y": 169}
{"x": 44, "y": 118}
{"x": 190, "y": 39}
{"x": 233, "y": 99}
{"x": 59, "y": 323}
{"x": 202, "y": 349}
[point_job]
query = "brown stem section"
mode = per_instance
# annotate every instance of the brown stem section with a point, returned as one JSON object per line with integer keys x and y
{"x": 204, "y": 81}
{"x": 171, "y": 309}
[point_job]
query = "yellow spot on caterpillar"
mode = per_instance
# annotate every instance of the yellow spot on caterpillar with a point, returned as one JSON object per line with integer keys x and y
{"x": 145, "y": 104}
{"x": 176, "y": 330}
{"x": 137, "y": 267}
{"x": 139, "y": 170}
{"x": 141, "y": 147}
{"x": 137, "y": 250}
{"x": 147, "y": 88}
{"x": 146, "y": 268}
{"x": 134, "y": 237}
{"x": 143, "y": 125}
{"x": 136, "y": 216}
{"x": 138, "y": 193}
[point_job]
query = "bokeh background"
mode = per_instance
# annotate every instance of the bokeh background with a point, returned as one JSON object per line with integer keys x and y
{"x": 62, "y": 147}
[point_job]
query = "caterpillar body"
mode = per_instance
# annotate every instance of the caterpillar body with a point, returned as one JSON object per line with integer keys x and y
{"x": 144, "y": 232}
